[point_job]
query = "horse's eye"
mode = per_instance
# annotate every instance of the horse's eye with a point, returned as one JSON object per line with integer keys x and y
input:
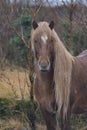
{"x": 37, "y": 54}
{"x": 38, "y": 43}
{"x": 52, "y": 40}
{"x": 35, "y": 41}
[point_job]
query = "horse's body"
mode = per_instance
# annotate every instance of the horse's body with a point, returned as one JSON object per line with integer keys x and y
{"x": 79, "y": 84}
{"x": 61, "y": 79}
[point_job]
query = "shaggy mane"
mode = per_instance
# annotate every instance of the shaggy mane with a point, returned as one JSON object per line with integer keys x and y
{"x": 62, "y": 75}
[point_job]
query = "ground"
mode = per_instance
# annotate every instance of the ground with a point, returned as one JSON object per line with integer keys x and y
{"x": 15, "y": 124}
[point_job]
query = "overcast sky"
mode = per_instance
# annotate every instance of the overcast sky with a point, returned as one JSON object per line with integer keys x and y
{"x": 54, "y": 2}
{"x": 60, "y": 1}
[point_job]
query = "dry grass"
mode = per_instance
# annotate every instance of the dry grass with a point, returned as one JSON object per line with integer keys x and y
{"x": 41, "y": 127}
{"x": 11, "y": 124}
{"x": 15, "y": 124}
{"x": 13, "y": 83}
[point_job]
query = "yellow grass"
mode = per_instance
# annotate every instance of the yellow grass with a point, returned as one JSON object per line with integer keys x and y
{"x": 13, "y": 83}
{"x": 10, "y": 124}
{"x": 15, "y": 124}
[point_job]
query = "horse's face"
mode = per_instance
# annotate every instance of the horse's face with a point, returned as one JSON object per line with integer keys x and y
{"x": 43, "y": 46}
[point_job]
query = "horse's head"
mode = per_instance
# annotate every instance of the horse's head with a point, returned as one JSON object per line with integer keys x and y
{"x": 43, "y": 44}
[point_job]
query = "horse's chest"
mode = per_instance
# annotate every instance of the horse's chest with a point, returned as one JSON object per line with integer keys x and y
{"x": 44, "y": 94}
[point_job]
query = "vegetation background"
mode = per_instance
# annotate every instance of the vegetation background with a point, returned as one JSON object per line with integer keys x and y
{"x": 15, "y": 31}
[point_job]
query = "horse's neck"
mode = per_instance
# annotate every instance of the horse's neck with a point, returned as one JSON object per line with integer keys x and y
{"x": 44, "y": 77}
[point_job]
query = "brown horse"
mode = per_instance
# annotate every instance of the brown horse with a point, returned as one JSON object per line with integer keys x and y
{"x": 61, "y": 79}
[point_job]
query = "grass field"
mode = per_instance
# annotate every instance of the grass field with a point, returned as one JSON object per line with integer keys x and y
{"x": 13, "y": 83}
{"x": 15, "y": 124}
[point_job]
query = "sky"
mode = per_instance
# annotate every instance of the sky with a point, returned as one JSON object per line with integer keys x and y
{"x": 54, "y": 2}
{"x": 60, "y": 1}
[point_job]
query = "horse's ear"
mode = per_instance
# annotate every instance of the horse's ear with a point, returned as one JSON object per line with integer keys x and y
{"x": 51, "y": 25}
{"x": 34, "y": 24}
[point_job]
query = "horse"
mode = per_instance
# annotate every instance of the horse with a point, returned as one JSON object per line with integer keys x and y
{"x": 60, "y": 85}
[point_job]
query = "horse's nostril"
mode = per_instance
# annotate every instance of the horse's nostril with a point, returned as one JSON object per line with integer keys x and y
{"x": 44, "y": 66}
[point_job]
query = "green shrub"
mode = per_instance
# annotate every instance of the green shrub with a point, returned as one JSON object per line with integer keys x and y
{"x": 79, "y": 39}
{"x": 21, "y": 109}
{"x": 5, "y": 107}
{"x": 12, "y": 108}
{"x": 18, "y": 52}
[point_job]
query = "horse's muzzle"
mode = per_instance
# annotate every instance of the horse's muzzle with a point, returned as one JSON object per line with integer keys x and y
{"x": 44, "y": 66}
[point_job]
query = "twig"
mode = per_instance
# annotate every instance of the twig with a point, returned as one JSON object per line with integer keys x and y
{"x": 20, "y": 36}
{"x": 36, "y": 12}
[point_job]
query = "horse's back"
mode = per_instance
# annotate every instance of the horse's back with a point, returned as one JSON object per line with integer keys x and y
{"x": 79, "y": 83}
{"x": 81, "y": 66}
{"x": 83, "y": 54}
{"x": 82, "y": 58}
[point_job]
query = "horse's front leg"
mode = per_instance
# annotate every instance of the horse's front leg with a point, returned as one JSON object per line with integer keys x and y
{"x": 50, "y": 119}
{"x": 65, "y": 122}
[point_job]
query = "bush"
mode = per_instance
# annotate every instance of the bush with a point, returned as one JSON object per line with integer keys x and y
{"x": 11, "y": 108}
{"x": 79, "y": 39}
{"x": 19, "y": 53}
{"x": 5, "y": 107}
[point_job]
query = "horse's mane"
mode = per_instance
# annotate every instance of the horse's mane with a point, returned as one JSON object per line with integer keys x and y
{"x": 62, "y": 75}
{"x": 62, "y": 69}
